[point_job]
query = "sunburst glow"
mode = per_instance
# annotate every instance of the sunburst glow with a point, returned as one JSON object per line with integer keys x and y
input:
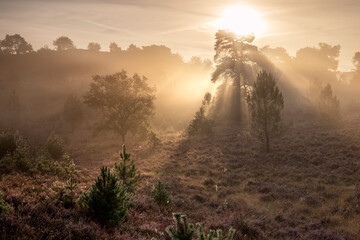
{"x": 241, "y": 20}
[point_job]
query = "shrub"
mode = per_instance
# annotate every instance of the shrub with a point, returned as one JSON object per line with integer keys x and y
{"x": 153, "y": 140}
{"x": 107, "y": 201}
{"x": 186, "y": 231}
{"x": 44, "y": 164}
{"x": 55, "y": 146}
{"x": 23, "y": 159}
{"x": 4, "y": 206}
{"x": 7, "y": 144}
{"x": 22, "y": 156}
{"x": 126, "y": 171}
{"x": 64, "y": 195}
{"x": 160, "y": 193}
{"x": 201, "y": 124}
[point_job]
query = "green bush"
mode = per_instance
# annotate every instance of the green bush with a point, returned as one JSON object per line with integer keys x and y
{"x": 7, "y": 144}
{"x": 107, "y": 201}
{"x": 55, "y": 146}
{"x": 160, "y": 193}
{"x": 4, "y": 206}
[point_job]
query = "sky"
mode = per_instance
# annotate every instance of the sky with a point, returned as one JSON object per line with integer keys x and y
{"x": 185, "y": 26}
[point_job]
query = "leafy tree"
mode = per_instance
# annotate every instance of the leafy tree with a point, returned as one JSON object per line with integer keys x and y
{"x": 265, "y": 104}
{"x": 73, "y": 112}
{"x": 94, "y": 47}
{"x": 201, "y": 124}
{"x": 63, "y": 43}
{"x": 126, "y": 171}
{"x": 114, "y": 47}
{"x": 328, "y": 107}
{"x": 160, "y": 193}
{"x": 231, "y": 54}
{"x": 15, "y": 44}
{"x": 126, "y": 102}
{"x": 107, "y": 201}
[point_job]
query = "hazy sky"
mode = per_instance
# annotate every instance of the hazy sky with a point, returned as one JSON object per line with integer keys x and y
{"x": 183, "y": 25}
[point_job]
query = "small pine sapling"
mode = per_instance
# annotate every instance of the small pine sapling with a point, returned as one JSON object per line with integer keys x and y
{"x": 126, "y": 171}
{"x": 183, "y": 230}
{"x": 69, "y": 197}
{"x": 211, "y": 235}
{"x": 107, "y": 201}
{"x": 160, "y": 193}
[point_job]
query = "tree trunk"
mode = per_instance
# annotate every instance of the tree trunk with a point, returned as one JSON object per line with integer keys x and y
{"x": 237, "y": 105}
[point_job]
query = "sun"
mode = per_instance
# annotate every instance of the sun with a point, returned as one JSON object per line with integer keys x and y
{"x": 241, "y": 20}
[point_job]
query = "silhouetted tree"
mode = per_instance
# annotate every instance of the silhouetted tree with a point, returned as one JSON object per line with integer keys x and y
{"x": 15, "y": 44}
{"x": 230, "y": 56}
{"x": 63, "y": 43}
{"x": 94, "y": 47}
{"x": 114, "y": 47}
{"x": 265, "y": 104}
{"x": 328, "y": 107}
{"x": 45, "y": 48}
{"x": 126, "y": 102}
{"x": 73, "y": 112}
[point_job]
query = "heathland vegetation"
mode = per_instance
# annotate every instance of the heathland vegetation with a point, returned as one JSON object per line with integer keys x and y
{"x": 258, "y": 143}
